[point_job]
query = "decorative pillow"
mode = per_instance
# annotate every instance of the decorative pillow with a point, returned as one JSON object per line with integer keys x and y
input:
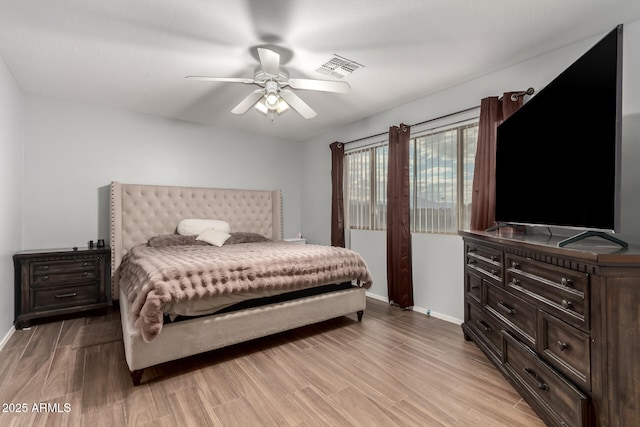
{"x": 195, "y": 227}
{"x": 173, "y": 240}
{"x": 245, "y": 237}
{"x": 213, "y": 237}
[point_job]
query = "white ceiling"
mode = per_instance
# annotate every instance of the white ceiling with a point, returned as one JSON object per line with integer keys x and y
{"x": 134, "y": 54}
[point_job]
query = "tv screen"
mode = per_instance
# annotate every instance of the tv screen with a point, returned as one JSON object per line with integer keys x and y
{"x": 558, "y": 156}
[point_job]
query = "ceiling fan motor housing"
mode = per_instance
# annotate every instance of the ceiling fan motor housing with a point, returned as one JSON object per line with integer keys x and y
{"x": 259, "y": 76}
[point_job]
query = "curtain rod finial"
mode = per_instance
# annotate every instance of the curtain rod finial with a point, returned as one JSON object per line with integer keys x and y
{"x": 515, "y": 96}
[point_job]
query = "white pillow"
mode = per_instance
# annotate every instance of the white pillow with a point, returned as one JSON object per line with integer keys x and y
{"x": 195, "y": 227}
{"x": 214, "y": 237}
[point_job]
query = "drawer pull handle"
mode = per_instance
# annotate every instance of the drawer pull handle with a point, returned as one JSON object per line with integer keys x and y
{"x": 562, "y": 345}
{"x": 493, "y": 257}
{"x": 494, "y": 272}
{"x": 85, "y": 264}
{"x": 70, "y": 295}
{"x": 484, "y": 326}
{"x": 471, "y": 261}
{"x": 472, "y": 250}
{"x": 515, "y": 265}
{"x": 567, "y": 283}
{"x": 515, "y": 282}
{"x": 85, "y": 274}
{"x": 45, "y": 267}
{"x": 541, "y": 384}
{"x": 504, "y": 307}
{"x": 475, "y": 286}
{"x": 45, "y": 278}
{"x": 567, "y": 304}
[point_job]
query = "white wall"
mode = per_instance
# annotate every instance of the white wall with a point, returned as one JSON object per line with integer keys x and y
{"x": 437, "y": 260}
{"x": 434, "y": 273}
{"x": 72, "y": 151}
{"x": 11, "y": 118}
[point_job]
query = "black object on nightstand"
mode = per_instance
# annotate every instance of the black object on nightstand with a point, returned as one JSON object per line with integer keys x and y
{"x": 54, "y": 282}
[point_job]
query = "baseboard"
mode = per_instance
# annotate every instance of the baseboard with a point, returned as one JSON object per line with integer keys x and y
{"x": 6, "y": 337}
{"x": 378, "y": 297}
{"x": 437, "y": 315}
{"x": 424, "y": 311}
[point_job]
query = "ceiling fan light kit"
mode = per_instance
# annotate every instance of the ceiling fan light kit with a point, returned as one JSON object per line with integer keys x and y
{"x": 265, "y": 108}
{"x": 272, "y": 94}
{"x": 273, "y": 97}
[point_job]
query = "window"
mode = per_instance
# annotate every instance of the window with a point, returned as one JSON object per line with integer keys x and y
{"x": 367, "y": 188}
{"x": 441, "y": 179}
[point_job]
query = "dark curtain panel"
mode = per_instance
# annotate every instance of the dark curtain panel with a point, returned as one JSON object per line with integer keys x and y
{"x": 493, "y": 111}
{"x": 399, "y": 268}
{"x": 337, "y": 194}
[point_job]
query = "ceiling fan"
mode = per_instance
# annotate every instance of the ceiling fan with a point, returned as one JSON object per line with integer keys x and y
{"x": 274, "y": 95}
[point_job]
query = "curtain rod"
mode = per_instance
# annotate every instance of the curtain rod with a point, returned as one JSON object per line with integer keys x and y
{"x": 514, "y": 97}
{"x": 466, "y": 110}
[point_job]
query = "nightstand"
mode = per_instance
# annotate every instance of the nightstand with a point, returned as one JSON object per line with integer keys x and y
{"x": 299, "y": 240}
{"x": 52, "y": 282}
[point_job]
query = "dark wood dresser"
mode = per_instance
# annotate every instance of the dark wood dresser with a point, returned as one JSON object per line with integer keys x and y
{"x": 59, "y": 281}
{"x": 561, "y": 324}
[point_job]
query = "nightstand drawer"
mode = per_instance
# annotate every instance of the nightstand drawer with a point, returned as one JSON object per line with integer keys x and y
{"x": 560, "y": 400}
{"x": 63, "y": 278}
{"x": 64, "y": 296}
{"x": 52, "y": 267}
{"x": 63, "y": 272}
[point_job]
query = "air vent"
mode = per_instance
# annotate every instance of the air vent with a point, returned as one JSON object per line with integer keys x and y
{"x": 338, "y": 67}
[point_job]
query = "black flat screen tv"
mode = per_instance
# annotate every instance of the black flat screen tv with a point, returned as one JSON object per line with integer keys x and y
{"x": 558, "y": 156}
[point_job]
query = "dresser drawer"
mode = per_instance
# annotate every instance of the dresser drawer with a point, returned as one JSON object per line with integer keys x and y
{"x": 64, "y": 296}
{"x": 566, "y": 348}
{"x": 64, "y": 272}
{"x": 473, "y": 286}
{"x": 486, "y": 327}
{"x": 560, "y": 401}
{"x": 518, "y": 314}
{"x": 563, "y": 292}
{"x": 485, "y": 261}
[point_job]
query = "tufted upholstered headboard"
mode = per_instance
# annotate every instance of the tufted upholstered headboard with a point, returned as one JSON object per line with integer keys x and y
{"x": 139, "y": 212}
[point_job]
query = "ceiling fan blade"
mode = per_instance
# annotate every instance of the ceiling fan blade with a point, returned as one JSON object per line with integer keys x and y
{"x": 248, "y": 102}
{"x": 221, "y": 79}
{"x": 321, "y": 85}
{"x": 297, "y": 104}
{"x": 270, "y": 61}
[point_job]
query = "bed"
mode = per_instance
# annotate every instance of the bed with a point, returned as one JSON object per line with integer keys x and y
{"x": 289, "y": 298}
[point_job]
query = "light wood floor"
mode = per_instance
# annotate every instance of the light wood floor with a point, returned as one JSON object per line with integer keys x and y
{"x": 394, "y": 368}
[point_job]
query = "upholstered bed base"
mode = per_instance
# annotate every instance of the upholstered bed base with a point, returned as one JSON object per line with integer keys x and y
{"x": 139, "y": 212}
{"x": 202, "y": 334}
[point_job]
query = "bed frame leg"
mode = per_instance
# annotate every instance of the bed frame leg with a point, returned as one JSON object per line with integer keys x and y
{"x": 360, "y": 314}
{"x": 136, "y": 376}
